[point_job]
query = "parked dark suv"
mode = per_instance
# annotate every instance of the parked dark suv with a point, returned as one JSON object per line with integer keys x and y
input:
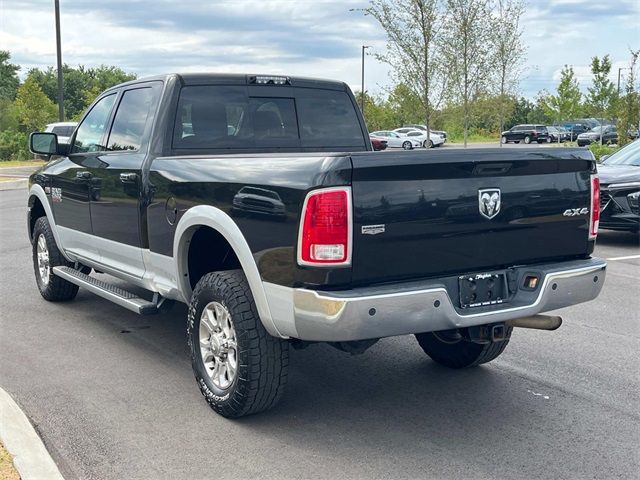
{"x": 526, "y": 134}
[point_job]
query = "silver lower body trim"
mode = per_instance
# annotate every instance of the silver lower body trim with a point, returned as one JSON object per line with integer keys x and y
{"x": 386, "y": 311}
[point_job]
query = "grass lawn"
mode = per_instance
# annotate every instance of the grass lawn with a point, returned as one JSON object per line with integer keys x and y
{"x": 7, "y": 470}
{"x": 21, "y": 163}
{"x": 8, "y": 179}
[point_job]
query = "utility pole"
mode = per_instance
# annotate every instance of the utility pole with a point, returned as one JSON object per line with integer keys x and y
{"x": 364, "y": 47}
{"x": 59, "y": 54}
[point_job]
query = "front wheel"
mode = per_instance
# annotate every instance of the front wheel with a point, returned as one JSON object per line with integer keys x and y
{"x": 407, "y": 145}
{"x": 527, "y": 140}
{"x": 458, "y": 352}
{"x": 47, "y": 255}
{"x": 239, "y": 367}
{"x": 503, "y": 139}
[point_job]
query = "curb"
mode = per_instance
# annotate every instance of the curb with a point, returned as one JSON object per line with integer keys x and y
{"x": 30, "y": 457}
{"x": 13, "y": 184}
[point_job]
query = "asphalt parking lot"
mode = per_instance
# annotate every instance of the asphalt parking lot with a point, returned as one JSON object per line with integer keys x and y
{"x": 113, "y": 396}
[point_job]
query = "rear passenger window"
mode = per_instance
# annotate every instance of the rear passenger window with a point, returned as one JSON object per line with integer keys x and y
{"x": 131, "y": 119}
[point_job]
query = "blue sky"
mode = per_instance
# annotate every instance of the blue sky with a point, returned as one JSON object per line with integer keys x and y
{"x": 297, "y": 37}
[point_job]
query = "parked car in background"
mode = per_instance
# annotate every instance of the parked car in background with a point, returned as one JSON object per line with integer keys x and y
{"x": 609, "y": 134}
{"x": 395, "y": 140}
{"x": 378, "y": 144}
{"x": 428, "y": 141}
{"x": 620, "y": 189}
{"x": 63, "y": 130}
{"x": 556, "y": 135}
{"x": 575, "y": 128}
{"x": 442, "y": 133}
{"x": 525, "y": 133}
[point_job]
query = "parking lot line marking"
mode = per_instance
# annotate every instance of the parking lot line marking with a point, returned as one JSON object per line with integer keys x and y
{"x": 628, "y": 257}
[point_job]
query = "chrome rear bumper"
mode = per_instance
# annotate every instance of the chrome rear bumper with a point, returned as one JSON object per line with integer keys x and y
{"x": 415, "y": 307}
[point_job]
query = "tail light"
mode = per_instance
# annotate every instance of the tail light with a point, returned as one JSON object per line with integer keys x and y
{"x": 325, "y": 228}
{"x": 594, "y": 220}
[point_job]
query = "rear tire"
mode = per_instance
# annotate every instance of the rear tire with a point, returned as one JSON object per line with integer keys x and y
{"x": 47, "y": 255}
{"x": 239, "y": 367}
{"x": 461, "y": 353}
{"x": 407, "y": 146}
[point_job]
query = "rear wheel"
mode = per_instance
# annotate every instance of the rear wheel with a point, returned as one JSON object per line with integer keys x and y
{"x": 46, "y": 255}
{"x": 407, "y": 145}
{"x": 458, "y": 352}
{"x": 239, "y": 367}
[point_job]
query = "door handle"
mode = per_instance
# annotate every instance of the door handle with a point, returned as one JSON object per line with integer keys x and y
{"x": 128, "y": 177}
{"x": 83, "y": 175}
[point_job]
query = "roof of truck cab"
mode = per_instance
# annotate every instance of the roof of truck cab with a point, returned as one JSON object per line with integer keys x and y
{"x": 237, "y": 79}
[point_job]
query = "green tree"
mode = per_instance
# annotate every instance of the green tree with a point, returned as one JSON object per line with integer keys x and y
{"x": 508, "y": 53}
{"x": 629, "y": 104}
{"x": 9, "y": 81}
{"x": 33, "y": 108}
{"x": 81, "y": 84}
{"x": 467, "y": 52}
{"x": 566, "y": 104}
{"x": 413, "y": 34}
{"x": 521, "y": 109}
{"x": 602, "y": 97}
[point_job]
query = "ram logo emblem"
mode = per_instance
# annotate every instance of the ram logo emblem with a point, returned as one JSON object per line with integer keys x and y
{"x": 489, "y": 202}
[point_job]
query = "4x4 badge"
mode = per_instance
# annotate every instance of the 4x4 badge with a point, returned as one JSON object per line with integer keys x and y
{"x": 489, "y": 202}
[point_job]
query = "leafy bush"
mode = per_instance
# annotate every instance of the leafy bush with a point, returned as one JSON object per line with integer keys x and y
{"x": 600, "y": 150}
{"x": 14, "y": 145}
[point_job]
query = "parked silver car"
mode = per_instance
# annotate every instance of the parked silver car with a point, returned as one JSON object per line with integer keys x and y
{"x": 396, "y": 140}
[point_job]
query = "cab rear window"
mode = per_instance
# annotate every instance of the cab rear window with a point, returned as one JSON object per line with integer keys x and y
{"x": 218, "y": 117}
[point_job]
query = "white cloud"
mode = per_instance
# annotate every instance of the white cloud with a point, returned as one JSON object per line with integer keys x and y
{"x": 299, "y": 37}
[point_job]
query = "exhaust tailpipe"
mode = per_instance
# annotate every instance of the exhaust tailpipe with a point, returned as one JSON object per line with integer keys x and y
{"x": 539, "y": 322}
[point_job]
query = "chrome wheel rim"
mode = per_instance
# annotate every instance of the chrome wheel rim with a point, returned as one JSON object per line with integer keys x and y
{"x": 44, "y": 267}
{"x": 218, "y": 346}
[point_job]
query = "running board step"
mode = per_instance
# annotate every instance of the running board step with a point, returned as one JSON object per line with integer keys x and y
{"x": 106, "y": 290}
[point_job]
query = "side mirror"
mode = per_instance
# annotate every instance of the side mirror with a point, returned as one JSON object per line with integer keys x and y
{"x": 43, "y": 143}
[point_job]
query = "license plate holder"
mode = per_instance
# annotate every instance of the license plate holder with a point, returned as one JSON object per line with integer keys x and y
{"x": 482, "y": 290}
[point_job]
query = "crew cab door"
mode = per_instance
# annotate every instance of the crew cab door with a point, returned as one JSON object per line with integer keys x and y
{"x": 71, "y": 181}
{"x": 116, "y": 195}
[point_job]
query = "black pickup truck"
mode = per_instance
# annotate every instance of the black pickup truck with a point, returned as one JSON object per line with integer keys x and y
{"x": 258, "y": 201}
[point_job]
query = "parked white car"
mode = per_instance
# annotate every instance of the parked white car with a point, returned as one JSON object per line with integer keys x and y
{"x": 63, "y": 130}
{"x": 434, "y": 140}
{"x": 442, "y": 133}
{"x": 395, "y": 140}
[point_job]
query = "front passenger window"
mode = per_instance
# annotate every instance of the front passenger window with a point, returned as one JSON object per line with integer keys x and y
{"x": 93, "y": 126}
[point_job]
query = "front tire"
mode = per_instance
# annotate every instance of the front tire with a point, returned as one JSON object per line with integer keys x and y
{"x": 527, "y": 140}
{"x": 503, "y": 140}
{"x": 239, "y": 367}
{"x": 407, "y": 146}
{"x": 460, "y": 353}
{"x": 47, "y": 255}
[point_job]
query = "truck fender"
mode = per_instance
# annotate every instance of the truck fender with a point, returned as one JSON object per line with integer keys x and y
{"x": 37, "y": 191}
{"x": 212, "y": 217}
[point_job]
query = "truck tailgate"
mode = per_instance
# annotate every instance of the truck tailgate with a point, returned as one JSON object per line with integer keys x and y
{"x": 418, "y": 214}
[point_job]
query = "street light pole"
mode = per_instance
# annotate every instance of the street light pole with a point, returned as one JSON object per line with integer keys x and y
{"x": 362, "y": 89}
{"x": 59, "y": 55}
